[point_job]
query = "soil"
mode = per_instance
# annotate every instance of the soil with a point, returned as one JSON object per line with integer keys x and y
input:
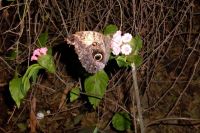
{"x": 168, "y": 79}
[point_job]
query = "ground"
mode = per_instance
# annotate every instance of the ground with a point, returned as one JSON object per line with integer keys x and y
{"x": 168, "y": 79}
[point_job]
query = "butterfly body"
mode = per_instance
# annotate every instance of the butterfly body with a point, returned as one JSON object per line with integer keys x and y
{"x": 92, "y": 48}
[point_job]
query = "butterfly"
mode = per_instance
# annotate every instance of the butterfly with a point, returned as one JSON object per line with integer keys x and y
{"x": 92, "y": 48}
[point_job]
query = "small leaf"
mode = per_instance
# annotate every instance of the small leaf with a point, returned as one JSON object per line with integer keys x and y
{"x": 31, "y": 72}
{"x": 28, "y": 70}
{"x": 74, "y": 94}
{"x": 111, "y": 57}
{"x": 42, "y": 40}
{"x": 15, "y": 87}
{"x": 95, "y": 130}
{"x": 121, "y": 61}
{"x": 121, "y": 121}
{"x": 77, "y": 119}
{"x": 136, "y": 44}
{"x": 47, "y": 62}
{"x": 49, "y": 51}
{"x": 26, "y": 86}
{"x": 110, "y": 29}
{"x": 11, "y": 55}
{"x": 34, "y": 75}
{"x": 22, "y": 127}
{"x": 34, "y": 70}
{"x": 95, "y": 87}
{"x": 137, "y": 59}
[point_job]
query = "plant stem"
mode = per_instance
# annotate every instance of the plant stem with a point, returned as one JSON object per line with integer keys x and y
{"x": 135, "y": 93}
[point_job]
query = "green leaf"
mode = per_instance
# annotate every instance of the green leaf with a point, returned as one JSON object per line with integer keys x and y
{"x": 42, "y": 40}
{"x": 34, "y": 75}
{"x": 47, "y": 62}
{"x": 77, "y": 119}
{"x": 34, "y": 70}
{"x": 22, "y": 127}
{"x": 137, "y": 59}
{"x": 110, "y": 29}
{"x": 31, "y": 71}
{"x": 74, "y": 94}
{"x": 49, "y": 51}
{"x": 121, "y": 61}
{"x": 112, "y": 57}
{"x": 95, "y": 87}
{"x": 15, "y": 87}
{"x": 26, "y": 86}
{"x": 136, "y": 44}
{"x": 11, "y": 55}
{"x": 95, "y": 130}
{"x": 121, "y": 121}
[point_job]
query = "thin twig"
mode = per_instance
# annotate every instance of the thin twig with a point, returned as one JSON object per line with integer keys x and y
{"x": 11, "y": 115}
{"x": 7, "y": 64}
{"x": 121, "y": 15}
{"x": 61, "y": 15}
{"x": 170, "y": 119}
{"x": 183, "y": 92}
{"x": 135, "y": 93}
{"x": 133, "y": 112}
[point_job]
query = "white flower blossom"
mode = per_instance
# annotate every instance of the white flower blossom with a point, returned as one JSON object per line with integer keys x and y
{"x": 117, "y": 33}
{"x": 48, "y": 112}
{"x": 119, "y": 43}
{"x": 126, "y": 49}
{"x": 115, "y": 49}
{"x": 40, "y": 115}
{"x": 126, "y": 38}
{"x": 117, "y": 38}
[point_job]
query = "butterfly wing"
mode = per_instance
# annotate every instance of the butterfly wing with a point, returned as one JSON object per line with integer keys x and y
{"x": 93, "y": 49}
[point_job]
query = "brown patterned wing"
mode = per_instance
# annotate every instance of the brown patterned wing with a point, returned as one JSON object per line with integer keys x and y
{"x": 93, "y": 49}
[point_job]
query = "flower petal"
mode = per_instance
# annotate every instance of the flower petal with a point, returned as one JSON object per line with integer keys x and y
{"x": 116, "y": 50}
{"x": 126, "y": 49}
{"x": 43, "y": 50}
{"x": 36, "y": 52}
{"x": 126, "y": 37}
{"x": 117, "y": 33}
{"x": 34, "y": 58}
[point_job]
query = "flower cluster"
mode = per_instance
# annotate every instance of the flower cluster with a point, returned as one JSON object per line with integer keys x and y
{"x": 120, "y": 44}
{"x": 38, "y": 52}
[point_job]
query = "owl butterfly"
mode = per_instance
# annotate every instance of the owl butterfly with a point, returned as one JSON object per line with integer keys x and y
{"x": 92, "y": 48}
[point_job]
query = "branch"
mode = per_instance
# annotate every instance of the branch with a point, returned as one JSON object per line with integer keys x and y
{"x": 135, "y": 93}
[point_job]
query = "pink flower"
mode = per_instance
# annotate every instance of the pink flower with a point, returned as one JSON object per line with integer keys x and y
{"x": 115, "y": 49}
{"x": 126, "y": 49}
{"x": 43, "y": 50}
{"x": 126, "y": 37}
{"x": 34, "y": 58}
{"x": 38, "y": 52}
